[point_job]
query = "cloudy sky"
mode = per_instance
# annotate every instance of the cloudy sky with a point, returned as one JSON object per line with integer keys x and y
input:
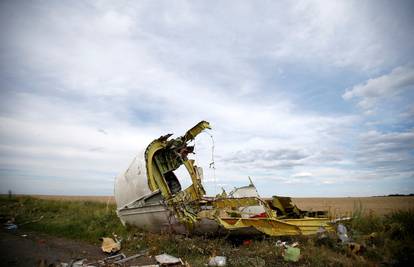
{"x": 308, "y": 98}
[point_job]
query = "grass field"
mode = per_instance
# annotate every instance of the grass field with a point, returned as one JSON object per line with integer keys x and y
{"x": 101, "y": 199}
{"x": 80, "y": 219}
{"x": 341, "y": 206}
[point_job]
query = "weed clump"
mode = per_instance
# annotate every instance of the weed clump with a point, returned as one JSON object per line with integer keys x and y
{"x": 388, "y": 239}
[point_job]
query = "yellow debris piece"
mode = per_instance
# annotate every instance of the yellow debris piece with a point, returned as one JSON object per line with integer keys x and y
{"x": 274, "y": 227}
{"x": 109, "y": 245}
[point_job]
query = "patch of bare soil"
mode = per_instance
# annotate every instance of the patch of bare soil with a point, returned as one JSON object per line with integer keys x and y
{"x": 22, "y": 248}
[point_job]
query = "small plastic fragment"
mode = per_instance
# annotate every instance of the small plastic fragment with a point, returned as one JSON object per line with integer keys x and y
{"x": 342, "y": 233}
{"x": 291, "y": 254}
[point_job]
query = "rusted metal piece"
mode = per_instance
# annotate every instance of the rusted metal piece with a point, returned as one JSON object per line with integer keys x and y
{"x": 149, "y": 195}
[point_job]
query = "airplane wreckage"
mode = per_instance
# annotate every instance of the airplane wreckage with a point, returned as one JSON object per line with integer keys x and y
{"x": 149, "y": 196}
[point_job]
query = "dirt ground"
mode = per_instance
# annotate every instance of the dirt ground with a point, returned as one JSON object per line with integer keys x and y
{"x": 22, "y": 248}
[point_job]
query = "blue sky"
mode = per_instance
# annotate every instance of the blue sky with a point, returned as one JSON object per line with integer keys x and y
{"x": 308, "y": 98}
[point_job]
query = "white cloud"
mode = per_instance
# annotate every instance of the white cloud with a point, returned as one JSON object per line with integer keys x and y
{"x": 302, "y": 174}
{"x": 376, "y": 89}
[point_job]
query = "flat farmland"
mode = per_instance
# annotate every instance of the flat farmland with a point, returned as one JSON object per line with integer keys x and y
{"x": 343, "y": 206}
{"x": 102, "y": 199}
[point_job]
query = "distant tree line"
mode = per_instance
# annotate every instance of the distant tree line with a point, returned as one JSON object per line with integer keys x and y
{"x": 397, "y": 195}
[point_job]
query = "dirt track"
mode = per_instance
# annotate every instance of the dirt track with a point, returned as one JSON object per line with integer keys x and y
{"x": 38, "y": 249}
{"x": 17, "y": 250}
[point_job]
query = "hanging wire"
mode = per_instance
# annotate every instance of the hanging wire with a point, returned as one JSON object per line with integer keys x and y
{"x": 212, "y": 164}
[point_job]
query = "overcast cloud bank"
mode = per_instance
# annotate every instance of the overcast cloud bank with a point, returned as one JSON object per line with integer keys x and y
{"x": 309, "y": 98}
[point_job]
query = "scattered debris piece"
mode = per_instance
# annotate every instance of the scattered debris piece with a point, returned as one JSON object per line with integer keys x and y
{"x": 108, "y": 261}
{"x": 284, "y": 244}
{"x": 217, "y": 261}
{"x": 165, "y": 259}
{"x": 321, "y": 233}
{"x": 115, "y": 257}
{"x": 280, "y": 244}
{"x": 78, "y": 263}
{"x": 109, "y": 245}
{"x": 341, "y": 219}
{"x": 371, "y": 239}
{"x": 295, "y": 244}
{"x": 10, "y": 226}
{"x": 24, "y": 235}
{"x": 291, "y": 254}
{"x": 355, "y": 248}
{"x": 342, "y": 233}
{"x": 324, "y": 238}
{"x": 115, "y": 260}
{"x": 122, "y": 261}
{"x": 75, "y": 263}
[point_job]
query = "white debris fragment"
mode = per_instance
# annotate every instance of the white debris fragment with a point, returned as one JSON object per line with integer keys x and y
{"x": 217, "y": 261}
{"x": 342, "y": 233}
{"x": 281, "y": 244}
{"x": 341, "y": 219}
{"x": 167, "y": 259}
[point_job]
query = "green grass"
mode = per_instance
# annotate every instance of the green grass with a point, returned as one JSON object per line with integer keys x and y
{"x": 388, "y": 239}
{"x": 81, "y": 220}
{"x": 392, "y": 243}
